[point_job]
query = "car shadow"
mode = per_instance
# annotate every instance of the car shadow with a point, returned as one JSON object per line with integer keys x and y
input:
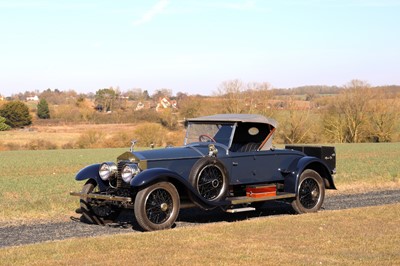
{"x": 197, "y": 215}
{"x": 194, "y": 216}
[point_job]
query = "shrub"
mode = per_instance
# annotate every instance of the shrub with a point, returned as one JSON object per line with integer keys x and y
{"x": 68, "y": 145}
{"x": 118, "y": 140}
{"x": 16, "y": 114}
{"x": 90, "y": 139}
{"x": 150, "y": 133}
{"x": 175, "y": 138}
{"x": 147, "y": 115}
{"x": 41, "y": 144}
{"x": 43, "y": 111}
{"x": 3, "y": 125}
{"x": 168, "y": 119}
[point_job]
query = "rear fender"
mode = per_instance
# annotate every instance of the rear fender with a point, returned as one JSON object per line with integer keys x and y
{"x": 154, "y": 175}
{"x": 313, "y": 163}
{"x": 92, "y": 172}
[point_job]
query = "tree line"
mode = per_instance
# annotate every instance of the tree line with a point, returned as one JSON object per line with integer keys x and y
{"x": 355, "y": 112}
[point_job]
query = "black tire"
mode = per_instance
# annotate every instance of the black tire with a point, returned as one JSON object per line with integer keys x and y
{"x": 93, "y": 214}
{"x": 210, "y": 178}
{"x": 157, "y": 206}
{"x": 310, "y": 193}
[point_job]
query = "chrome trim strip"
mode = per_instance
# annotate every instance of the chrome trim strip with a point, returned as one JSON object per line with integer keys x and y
{"x": 102, "y": 197}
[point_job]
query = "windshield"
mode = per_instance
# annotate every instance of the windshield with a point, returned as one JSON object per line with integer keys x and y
{"x": 206, "y": 132}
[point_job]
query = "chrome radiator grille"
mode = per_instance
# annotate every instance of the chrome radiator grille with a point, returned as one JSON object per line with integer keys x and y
{"x": 120, "y": 182}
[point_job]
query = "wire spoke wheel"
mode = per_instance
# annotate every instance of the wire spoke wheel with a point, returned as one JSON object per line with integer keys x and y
{"x": 310, "y": 193}
{"x": 210, "y": 182}
{"x": 210, "y": 179}
{"x": 157, "y": 206}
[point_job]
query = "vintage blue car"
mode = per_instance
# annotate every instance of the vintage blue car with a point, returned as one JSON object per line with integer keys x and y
{"x": 227, "y": 161}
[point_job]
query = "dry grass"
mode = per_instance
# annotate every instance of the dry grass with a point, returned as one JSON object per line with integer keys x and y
{"x": 364, "y": 236}
{"x": 76, "y": 136}
{"x": 58, "y": 136}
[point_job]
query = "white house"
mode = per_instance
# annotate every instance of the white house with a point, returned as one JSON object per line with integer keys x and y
{"x": 34, "y": 98}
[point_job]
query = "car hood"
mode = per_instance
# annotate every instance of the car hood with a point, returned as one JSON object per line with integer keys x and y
{"x": 166, "y": 154}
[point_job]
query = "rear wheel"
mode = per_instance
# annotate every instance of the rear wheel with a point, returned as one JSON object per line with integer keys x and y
{"x": 310, "y": 194}
{"x": 95, "y": 213}
{"x": 157, "y": 206}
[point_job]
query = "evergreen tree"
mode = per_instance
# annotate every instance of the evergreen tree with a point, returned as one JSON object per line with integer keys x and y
{"x": 16, "y": 114}
{"x": 3, "y": 125}
{"x": 43, "y": 111}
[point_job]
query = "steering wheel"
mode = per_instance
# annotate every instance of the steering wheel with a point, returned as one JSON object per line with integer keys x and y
{"x": 206, "y": 138}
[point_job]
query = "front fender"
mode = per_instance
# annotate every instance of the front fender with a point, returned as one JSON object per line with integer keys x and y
{"x": 91, "y": 172}
{"x": 308, "y": 162}
{"x": 153, "y": 175}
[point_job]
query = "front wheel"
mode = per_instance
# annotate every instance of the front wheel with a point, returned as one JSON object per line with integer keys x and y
{"x": 157, "y": 206}
{"x": 95, "y": 213}
{"x": 310, "y": 193}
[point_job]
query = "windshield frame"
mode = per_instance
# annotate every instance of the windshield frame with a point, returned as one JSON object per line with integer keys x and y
{"x": 207, "y": 124}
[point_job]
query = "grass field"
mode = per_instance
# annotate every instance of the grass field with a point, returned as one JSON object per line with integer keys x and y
{"x": 57, "y": 136}
{"x": 364, "y": 236}
{"x": 35, "y": 184}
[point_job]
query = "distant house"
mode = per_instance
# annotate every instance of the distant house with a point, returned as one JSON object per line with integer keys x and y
{"x": 1, "y": 98}
{"x": 164, "y": 103}
{"x": 33, "y": 98}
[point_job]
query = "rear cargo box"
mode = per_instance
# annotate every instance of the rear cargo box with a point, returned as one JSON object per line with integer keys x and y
{"x": 261, "y": 191}
{"x": 325, "y": 153}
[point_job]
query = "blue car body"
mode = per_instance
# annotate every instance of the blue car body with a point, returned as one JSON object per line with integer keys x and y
{"x": 223, "y": 158}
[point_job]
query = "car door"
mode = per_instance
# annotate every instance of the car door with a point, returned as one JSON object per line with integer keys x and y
{"x": 260, "y": 166}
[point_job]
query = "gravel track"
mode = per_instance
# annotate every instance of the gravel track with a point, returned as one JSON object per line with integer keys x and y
{"x": 29, "y": 234}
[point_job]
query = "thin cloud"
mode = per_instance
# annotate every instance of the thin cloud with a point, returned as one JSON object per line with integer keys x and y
{"x": 158, "y": 8}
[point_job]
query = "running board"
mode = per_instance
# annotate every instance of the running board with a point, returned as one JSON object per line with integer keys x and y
{"x": 245, "y": 209}
{"x": 241, "y": 200}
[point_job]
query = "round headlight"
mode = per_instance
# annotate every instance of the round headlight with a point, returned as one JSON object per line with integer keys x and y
{"x": 129, "y": 171}
{"x": 107, "y": 170}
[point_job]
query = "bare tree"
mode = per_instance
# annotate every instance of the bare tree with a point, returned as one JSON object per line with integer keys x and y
{"x": 334, "y": 125}
{"x": 347, "y": 116}
{"x": 383, "y": 117}
{"x": 232, "y": 91}
{"x": 296, "y": 127}
{"x": 161, "y": 93}
{"x": 256, "y": 97}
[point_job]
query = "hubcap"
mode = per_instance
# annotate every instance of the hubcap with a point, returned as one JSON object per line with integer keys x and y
{"x": 314, "y": 194}
{"x": 215, "y": 183}
{"x": 164, "y": 207}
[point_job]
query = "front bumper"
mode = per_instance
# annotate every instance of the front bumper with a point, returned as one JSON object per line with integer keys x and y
{"x": 102, "y": 197}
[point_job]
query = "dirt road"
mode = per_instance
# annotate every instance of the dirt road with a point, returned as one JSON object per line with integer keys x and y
{"x": 28, "y": 234}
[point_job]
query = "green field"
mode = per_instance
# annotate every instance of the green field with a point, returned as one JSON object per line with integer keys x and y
{"x": 36, "y": 184}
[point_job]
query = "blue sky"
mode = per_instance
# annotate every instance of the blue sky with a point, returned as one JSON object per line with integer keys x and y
{"x": 193, "y": 46}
